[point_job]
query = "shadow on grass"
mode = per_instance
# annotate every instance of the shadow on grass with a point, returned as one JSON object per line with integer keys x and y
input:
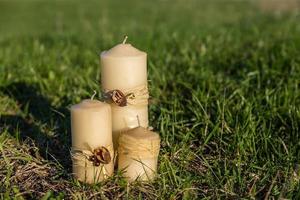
{"x": 47, "y": 125}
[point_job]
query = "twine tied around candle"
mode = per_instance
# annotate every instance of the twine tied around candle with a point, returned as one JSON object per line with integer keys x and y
{"x": 135, "y": 96}
{"x": 138, "y": 148}
{"x": 96, "y": 157}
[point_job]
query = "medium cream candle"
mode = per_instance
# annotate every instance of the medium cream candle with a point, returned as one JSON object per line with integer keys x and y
{"x": 92, "y": 147}
{"x": 138, "y": 153}
{"x": 124, "y": 78}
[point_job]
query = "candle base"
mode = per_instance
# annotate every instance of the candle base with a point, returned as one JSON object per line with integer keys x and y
{"x": 138, "y": 169}
{"x": 91, "y": 175}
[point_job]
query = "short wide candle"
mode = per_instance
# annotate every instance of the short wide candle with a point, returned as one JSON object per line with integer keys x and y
{"x": 138, "y": 154}
{"x": 124, "y": 68}
{"x": 92, "y": 147}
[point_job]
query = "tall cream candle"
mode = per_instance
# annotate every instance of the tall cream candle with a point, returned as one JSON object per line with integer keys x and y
{"x": 138, "y": 153}
{"x": 124, "y": 68}
{"x": 92, "y": 147}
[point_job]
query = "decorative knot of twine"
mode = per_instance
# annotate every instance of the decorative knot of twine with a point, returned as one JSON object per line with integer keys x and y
{"x": 135, "y": 96}
{"x": 96, "y": 157}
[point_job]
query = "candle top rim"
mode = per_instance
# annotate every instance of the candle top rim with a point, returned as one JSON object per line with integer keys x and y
{"x": 123, "y": 51}
{"x": 89, "y": 104}
{"x": 141, "y": 133}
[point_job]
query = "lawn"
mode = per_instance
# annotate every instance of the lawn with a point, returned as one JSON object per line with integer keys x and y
{"x": 224, "y": 80}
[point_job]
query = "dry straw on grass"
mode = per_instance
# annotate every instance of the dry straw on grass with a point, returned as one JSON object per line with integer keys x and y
{"x": 31, "y": 175}
{"x": 23, "y": 168}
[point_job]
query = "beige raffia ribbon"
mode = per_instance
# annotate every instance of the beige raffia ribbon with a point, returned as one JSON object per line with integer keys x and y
{"x": 83, "y": 158}
{"x": 135, "y": 96}
{"x": 138, "y": 148}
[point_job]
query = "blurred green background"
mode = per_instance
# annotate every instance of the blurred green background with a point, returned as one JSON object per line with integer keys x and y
{"x": 223, "y": 76}
{"x": 131, "y": 17}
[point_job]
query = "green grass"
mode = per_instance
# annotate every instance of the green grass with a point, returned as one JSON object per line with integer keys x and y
{"x": 224, "y": 78}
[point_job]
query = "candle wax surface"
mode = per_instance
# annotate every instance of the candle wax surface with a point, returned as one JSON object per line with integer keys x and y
{"x": 123, "y": 51}
{"x": 91, "y": 128}
{"x": 142, "y": 163}
{"x": 124, "y": 67}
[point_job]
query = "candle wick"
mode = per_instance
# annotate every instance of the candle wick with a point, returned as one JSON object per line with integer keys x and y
{"x": 125, "y": 39}
{"x": 138, "y": 119}
{"x": 93, "y": 96}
